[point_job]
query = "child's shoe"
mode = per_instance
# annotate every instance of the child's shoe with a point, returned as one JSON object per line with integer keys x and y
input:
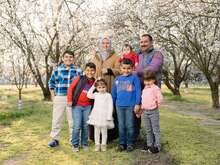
{"x": 153, "y": 150}
{"x": 75, "y": 148}
{"x": 145, "y": 148}
{"x": 121, "y": 148}
{"x": 53, "y": 143}
{"x": 97, "y": 147}
{"x": 85, "y": 148}
{"x": 130, "y": 148}
{"x": 103, "y": 147}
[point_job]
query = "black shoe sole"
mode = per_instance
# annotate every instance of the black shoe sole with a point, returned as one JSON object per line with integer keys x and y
{"x": 153, "y": 152}
{"x": 53, "y": 146}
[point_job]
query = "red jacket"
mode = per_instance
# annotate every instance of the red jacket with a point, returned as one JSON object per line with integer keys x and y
{"x": 131, "y": 56}
{"x": 83, "y": 100}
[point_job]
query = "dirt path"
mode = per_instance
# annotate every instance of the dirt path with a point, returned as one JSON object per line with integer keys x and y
{"x": 16, "y": 160}
{"x": 194, "y": 109}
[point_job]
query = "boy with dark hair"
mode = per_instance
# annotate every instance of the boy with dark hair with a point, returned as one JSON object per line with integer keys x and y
{"x": 59, "y": 82}
{"x": 126, "y": 94}
{"x": 81, "y": 106}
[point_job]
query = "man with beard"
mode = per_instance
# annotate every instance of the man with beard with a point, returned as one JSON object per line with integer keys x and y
{"x": 149, "y": 59}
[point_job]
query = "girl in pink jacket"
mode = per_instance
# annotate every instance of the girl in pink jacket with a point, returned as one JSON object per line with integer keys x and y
{"x": 151, "y": 100}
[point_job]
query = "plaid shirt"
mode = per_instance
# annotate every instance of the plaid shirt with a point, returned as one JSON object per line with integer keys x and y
{"x": 61, "y": 79}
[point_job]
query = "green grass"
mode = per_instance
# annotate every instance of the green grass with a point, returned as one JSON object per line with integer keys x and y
{"x": 27, "y": 138}
{"x": 24, "y": 137}
{"x": 7, "y": 117}
{"x": 189, "y": 142}
{"x": 191, "y": 95}
{"x": 170, "y": 97}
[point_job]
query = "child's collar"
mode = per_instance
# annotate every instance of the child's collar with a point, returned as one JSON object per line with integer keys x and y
{"x": 64, "y": 66}
{"x": 149, "y": 86}
{"x": 127, "y": 75}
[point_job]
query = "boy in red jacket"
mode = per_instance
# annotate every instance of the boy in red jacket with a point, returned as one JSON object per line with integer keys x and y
{"x": 81, "y": 106}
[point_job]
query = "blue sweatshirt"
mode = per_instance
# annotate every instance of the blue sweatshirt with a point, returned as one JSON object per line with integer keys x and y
{"x": 126, "y": 90}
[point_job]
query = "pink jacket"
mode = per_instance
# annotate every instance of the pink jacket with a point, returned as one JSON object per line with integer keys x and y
{"x": 151, "y": 97}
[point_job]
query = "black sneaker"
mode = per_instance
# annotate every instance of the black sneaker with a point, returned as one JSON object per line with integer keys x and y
{"x": 130, "y": 148}
{"x": 145, "y": 148}
{"x": 53, "y": 143}
{"x": 121, "y": 148}
{"x": 153, "y": 150}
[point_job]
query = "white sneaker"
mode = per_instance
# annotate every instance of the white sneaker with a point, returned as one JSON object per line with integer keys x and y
{"x": 75, "y": 149}
{"x": 97, "y": 147}
{"x": 103, "y": 147}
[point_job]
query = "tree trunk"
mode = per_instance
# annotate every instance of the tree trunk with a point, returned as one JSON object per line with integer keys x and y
{"x": 176, "y": 92}
{"x": 35, "y": 83}
{"x": 215, "y": 94}
{"x": 214, "y": 91}
{"x": 19, "y": 93}
{"x": 46, "y": 93}
{"x": 19, "y": 99}
{"x": 186, "y": 83}
{"x": 175, "y": 88}
{"x": 26, "y": 82}
{"x": 39, "y": 81}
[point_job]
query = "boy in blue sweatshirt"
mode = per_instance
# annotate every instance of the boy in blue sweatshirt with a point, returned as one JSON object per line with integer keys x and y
{"x": 126, "y": 94}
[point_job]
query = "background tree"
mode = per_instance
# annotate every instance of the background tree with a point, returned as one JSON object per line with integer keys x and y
{"x": 196, "y": 26}
{"x": 130, "y": 19}
{"x": 37, "y": 29}
{"x": 188, "y": 31}
{"x": 20, "y": 71}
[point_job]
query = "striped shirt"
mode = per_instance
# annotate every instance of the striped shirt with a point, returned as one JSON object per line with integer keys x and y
{"x": 61, "y": 79}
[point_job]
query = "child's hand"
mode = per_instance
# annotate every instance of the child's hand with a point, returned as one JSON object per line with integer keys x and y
{"x": 99, "y": 78}
{"x": 157, "y": 104}
{"x": 137, "y": 109}
{"x": 52, "y": 93}
{"x": 69, "y": 108}
{"x": 138, "y": 115}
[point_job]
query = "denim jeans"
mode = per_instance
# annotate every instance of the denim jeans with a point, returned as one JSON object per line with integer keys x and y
{"x": 80, "y": 117}
{"x": 125, "y": 125}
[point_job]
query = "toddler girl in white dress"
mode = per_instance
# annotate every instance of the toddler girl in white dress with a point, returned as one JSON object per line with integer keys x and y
{"x": 101, "y": 115}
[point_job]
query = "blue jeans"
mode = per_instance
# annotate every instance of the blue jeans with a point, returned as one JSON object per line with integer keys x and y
{"x": 80, "y": 118}
{"x": 125, "y": 125}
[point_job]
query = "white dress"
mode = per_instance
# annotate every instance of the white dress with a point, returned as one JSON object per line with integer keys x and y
{"x": 101, "y": 114}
